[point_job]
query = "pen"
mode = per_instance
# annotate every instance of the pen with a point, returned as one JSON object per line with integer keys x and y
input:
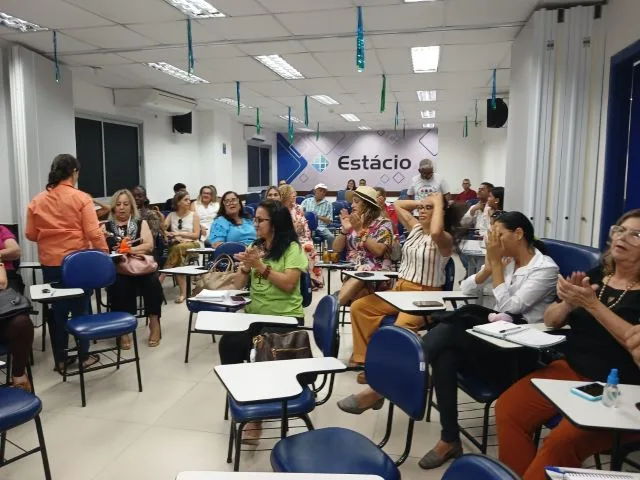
{"x": 509, "y": 329}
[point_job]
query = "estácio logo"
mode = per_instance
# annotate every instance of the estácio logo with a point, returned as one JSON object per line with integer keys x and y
{"x": 345, "y": 162}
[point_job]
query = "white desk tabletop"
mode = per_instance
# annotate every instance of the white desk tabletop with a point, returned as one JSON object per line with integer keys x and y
{"x": 225, "y": 322}
{"x": 403, "y": 301}
{"x": 267, "y": 381}
{"x": 270, "y": 476}
{"x": 30, "y": 265}
{"x": 202, "y": 250}
{"x": 190, "y": 270}
{"x": 336, "y": 265}
{"x": 586, "y": 414}
{"x": 506, "y": 344}
{"x": 376, "y": 276}
{"x": 474, "y": 248}
{"x": 602, "y": 474}
{"x": 38, "y": 294}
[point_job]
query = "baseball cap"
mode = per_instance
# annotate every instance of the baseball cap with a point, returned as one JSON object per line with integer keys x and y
{"x": 320, "y": 185}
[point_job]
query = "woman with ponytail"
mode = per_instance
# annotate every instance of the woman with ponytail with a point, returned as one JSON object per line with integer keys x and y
{"x": 61, "y": 220}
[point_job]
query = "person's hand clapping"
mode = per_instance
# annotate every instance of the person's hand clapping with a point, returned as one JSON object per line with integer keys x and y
{"x": 345, "y": 221}
{"x": 251, "y": 257}
{"x": 576, "y": 291}
{"x": 356, "y": 221}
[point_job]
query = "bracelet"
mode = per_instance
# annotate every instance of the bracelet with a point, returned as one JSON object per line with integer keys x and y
{"x": 264, "y": 274}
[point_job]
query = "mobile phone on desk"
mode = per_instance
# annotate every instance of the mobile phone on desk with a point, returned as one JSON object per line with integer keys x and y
{"x": 238, "y": 298}
{"x": 591, "y": 391}
{"x": 427, "y": 303}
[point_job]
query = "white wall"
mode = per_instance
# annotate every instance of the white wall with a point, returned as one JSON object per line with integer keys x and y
{"x": 8, "y": 208}
{"x": 459, "y": 157}
{"x": 494, "y": 156}
{"x": 622, "y": 30}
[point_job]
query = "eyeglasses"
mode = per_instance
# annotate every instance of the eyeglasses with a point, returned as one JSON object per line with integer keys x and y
{"x": 258, "y": 220}
{"x": 231, "y": 201}
{"x": 620, "y": 231}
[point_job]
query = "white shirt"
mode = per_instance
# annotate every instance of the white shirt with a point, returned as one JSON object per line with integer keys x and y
{"x": 480, "y": 220}
{"x": 207, "y": 215}
{"x": 527, "y": 291}
{"x": 422, "y": 262}
{"x": 187, "y": 222}
{"x": 421, "y": 187}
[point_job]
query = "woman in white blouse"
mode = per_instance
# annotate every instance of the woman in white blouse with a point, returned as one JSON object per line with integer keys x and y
{"x": 206, "y": 208}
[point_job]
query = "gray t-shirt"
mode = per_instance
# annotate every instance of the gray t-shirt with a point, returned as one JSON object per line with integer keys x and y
{"x": 421, "y": 187}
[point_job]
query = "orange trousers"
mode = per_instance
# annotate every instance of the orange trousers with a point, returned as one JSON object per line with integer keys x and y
{"x": 522, "y": 409}
{"x": 367, "y": 314}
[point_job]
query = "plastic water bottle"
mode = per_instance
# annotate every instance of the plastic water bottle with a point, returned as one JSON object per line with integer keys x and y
{"x": 611, "y": 390}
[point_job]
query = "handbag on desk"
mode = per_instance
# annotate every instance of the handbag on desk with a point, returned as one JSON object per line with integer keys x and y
{"x": 12, "y": 304}
{"x": 135, "y": 265}
{"x": 282, "y": 346}
{"x": 216, "y": 279}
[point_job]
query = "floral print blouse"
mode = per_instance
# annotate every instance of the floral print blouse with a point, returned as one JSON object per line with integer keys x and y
{"x": 380, "y": 230}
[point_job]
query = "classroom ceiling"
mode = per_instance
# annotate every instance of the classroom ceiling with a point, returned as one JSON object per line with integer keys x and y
{"x": 107, "y": 42}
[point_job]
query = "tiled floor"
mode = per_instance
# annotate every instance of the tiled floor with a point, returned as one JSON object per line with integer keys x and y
{"x": 177, "y": 423}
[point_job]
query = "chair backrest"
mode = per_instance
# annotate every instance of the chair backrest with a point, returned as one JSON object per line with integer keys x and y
{"x": 312, "y": 220}
{"x": 299, "y": 199}
{"x": 340, "y": 195}
{"x": 403, "y": 195}
{"x": 478, "y": 467}
{"x": 88, "y": 269}
{"x": 229, "y": 248}
{"x": 471, "y": 202}
{"x": 253, "y": 197}
{"x": 250, "y": 210}
{"x": 305, "y": 288}
{"x": 253, "y": 205}
{"x": 571, "y": 257}
{"x": 395, "y": 367}
{"x": 449, "y": 275}
{"x": 325, "y": 325}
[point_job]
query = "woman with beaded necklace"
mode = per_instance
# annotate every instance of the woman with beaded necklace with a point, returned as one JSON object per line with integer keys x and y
{"x": 602, "y": 307}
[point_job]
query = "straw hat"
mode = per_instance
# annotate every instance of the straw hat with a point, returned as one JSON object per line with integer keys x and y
{"x": 367, "y": 194}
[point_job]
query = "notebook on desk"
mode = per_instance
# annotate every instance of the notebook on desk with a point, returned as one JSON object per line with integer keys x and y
{"x": 520, "y": 334}
{"x": 562, "y": 473}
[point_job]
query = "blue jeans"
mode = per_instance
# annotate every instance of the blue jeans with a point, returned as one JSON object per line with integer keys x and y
{"x": 59, "y": 314}
{"x": 325, "y": 235}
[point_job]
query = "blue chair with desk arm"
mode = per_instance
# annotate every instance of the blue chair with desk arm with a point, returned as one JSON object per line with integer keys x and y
{"x": 90, "y": 270}
{"x": 395, "y": 368}
{"x": 325, "y": 334}
{"x": 478, "y": 467}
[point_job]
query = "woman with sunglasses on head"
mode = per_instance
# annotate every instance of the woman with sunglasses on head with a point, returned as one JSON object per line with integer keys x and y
{"x": 183, "y": 232}
{"x": 233, "y": 224}
{"x": 523, "y": 284}
{"x": 206, "y": 207}
{"x": 602, "y": 307}
{"x": 367, "y": 236}
{"x": 425, "y": 254}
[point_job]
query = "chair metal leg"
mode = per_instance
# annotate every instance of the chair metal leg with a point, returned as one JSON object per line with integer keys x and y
{"x": 3, "y": 444}
{"x": 596, "y": 457}
{"x": 232, "y": 432}
{"x": 44, "y": 332}
{"x": 485, "y": 428}
{"x": 186, "y": 352}
{"x": 238, "y": 439}
{"x": 135, "y": 351}
{"x": 118, "y": 353}
{"x": 307, "y": 421}
{"x": 536, "y": 436}
{"x": 43, "y": 448}
{"x": 429, "y": 400}
{"x": 226, "y": 409}
{"x": 81, "y": 372}
{"x": 213, "y": 338}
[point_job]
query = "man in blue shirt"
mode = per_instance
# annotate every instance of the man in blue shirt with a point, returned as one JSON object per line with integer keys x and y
{"x": 323, "y": 210}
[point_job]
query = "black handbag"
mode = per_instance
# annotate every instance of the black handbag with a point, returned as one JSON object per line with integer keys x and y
{"x": 12, "y": 304}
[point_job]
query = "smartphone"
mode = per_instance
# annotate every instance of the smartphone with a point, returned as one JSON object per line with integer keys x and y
{"x": 363, "y": 274}
{"x": 591, "y": 391}
{"x": 238, "y": 298}
{"x": 428, "y": 303}
{"x": 244, "y": 294}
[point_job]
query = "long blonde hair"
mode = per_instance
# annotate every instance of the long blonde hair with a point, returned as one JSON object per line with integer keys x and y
{"x": 286, "y": 193}
{"x": 607, "y": 258}
{"x": 214, "y": 193}
{"x": 132, "y": 201}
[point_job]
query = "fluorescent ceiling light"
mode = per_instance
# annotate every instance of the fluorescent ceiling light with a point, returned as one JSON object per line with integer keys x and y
{"x": 428, "y": 125}
{"x": 304, "y": 129}
{"x": 325, "y": 99}
{"x": 426, "y": 95}
{"x": 428, "y": 114}
{"x": 350, "y": 117}
{"x": 15, "y": 23}
{"x": 231, "y": 102}
{"x": 425, "y": 59}
{"x": 196, "y": 8}
{"x": 176, "y": 72}
{"x": 280, "y": 66}
{"x": 364, "y": 127}
{"x": 293, "y": 119}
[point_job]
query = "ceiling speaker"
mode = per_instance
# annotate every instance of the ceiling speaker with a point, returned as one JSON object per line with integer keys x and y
{"x": 497, "y": 117}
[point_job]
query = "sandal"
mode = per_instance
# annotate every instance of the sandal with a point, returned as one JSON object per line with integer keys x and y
{"x": 154, "y": 342}
{"x": 252, "y": 435}
{"x": 180, "y": 299}
{"x": 22, "y": 384}
{"x": 91, "y": 360}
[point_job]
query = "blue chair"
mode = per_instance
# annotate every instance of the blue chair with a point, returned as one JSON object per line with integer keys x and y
{"x": 403, "y": 195}
{"x": 90, "y": 270}
{"x": 253, "y": 205}
{"x": 325, "y": 334}
{"x": 299, "y": 199}
{"x": 305, "y": 288}
{"x": 395, "y": 368}
{"x": 253, "y": 197}
{"x": 472, "y": 202}
{"x": 478, "y": 467}
{"x": 250, "y": 211}
{"x": 4, "y": 352}
{"x": 18, "y": 407}
{"x": 312, "y": 221}
{"x": 571, "y": 257}
{"x": 229, "y": 248}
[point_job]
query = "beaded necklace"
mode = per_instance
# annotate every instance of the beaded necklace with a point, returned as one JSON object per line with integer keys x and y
{"x": 605, "y": 284}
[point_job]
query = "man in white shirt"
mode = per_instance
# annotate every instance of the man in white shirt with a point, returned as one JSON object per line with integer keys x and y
{"x": 478, "y": 217}
{"x": 427, "y": 182}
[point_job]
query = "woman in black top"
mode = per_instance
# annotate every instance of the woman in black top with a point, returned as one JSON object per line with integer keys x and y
{"x": 602, "y": 307}
{"x": 125, "y": 222}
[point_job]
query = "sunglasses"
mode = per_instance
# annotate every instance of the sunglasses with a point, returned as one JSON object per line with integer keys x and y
{"x": 497, "y": 214}
{"x": 179, "y": 224}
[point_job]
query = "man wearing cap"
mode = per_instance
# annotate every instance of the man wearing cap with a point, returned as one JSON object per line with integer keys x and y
{"x": 427, "y": 182}
{"x": 323, "y": 210}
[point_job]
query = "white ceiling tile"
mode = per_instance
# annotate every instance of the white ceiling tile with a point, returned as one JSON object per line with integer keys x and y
{"x": 280, "y": 6}
{"x": 52, "y": 13}
{"x": 404, "y": 17}
{"x": 361, "y": 84}
{"x": 174, "y": 32}
{"x": 480, "y": 35}
{"x": 269, "y": 48}
{"x": 253, "y": 27}
{"x": 395, "y": 61}
{"x": 344, "y": 63}
{"x": 306, "y": 64}
{"x": 240, "y": 69}
{"x": 95, "y": 59}
{"x": 329, "y": 44}
{"x": 479, "y": 12}
{"x": 43, "y": 42}
{"x": 317, "y": 86}
{"x": 145, "y": 75}
{"x": 236, "y": 8}
{"x": 459, "y": 58}
{"x": 180, "y": 53}
{"x": 112, "y": 37}
{"x": 407, "y": 40}
{"x": 273, "y": 89}
{"x": 323, "y": 22}
{"x": 98, "y": 76}
{"x": 128, "y": 11}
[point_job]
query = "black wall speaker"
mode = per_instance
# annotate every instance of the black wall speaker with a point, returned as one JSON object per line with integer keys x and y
{"x": 181, "y": 123}
{"x": 498, "y": 117}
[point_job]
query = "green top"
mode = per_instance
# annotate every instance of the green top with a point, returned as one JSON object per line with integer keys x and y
{"x": 266, "y": 298}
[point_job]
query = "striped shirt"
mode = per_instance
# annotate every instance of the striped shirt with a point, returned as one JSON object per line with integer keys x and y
{"x": 323, "y": 208}
{"x": 422, "y": 262}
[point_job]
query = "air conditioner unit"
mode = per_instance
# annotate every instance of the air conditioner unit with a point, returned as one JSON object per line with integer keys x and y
{"x": 154, "y": 100}
{"x": 258, "y": 138}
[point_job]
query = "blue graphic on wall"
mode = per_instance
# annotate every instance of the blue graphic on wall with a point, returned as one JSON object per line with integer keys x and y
{"x": 320, "y": 163}
{"x": 290, "y": 162}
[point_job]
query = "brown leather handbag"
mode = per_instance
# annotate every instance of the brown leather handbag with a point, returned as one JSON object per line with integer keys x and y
{"x": 282, "y": 346}
{"x": 135, "y": 265}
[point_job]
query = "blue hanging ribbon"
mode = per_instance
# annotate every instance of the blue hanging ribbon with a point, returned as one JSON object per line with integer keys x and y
{"x": 306, "y": 111}
{"x": 190, "y": 59}
{"x": 258, "y": 126}
{"x": 290, "y": 127}
{"x": 318, "y": 131}
{"x": 404, "y": 128}
{"x": 396, "y": 121}
{"x": 56, "y": 61}
{"x": 238, "y": 98}
{"x": 360, "y": 43}
{"x": 493, "y": 91}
